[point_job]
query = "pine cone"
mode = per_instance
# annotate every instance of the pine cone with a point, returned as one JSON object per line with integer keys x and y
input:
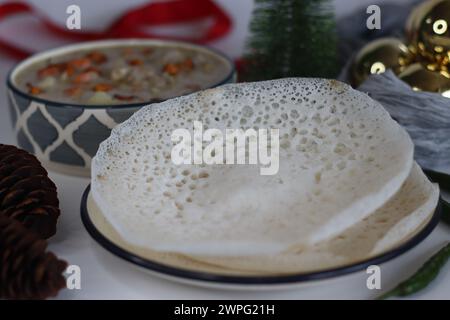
{"x": 27, "y": 271}
{"x": 26, "y": 192}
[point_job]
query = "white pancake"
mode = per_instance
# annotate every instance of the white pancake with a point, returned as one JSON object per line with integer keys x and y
{"x": 385, "y": 229}
{"x": 341, "y": 157}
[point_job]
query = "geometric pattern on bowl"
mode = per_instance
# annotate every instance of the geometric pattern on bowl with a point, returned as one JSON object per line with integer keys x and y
{"x": 62, "y": 134}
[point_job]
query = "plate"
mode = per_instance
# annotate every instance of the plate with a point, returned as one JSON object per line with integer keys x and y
{"x": 183, "y": 269}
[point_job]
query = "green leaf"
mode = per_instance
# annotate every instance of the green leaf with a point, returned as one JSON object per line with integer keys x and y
{"x": 423, "y": 277}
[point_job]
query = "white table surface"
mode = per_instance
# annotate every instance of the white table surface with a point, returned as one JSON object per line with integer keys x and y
{"x": 104, "y": 276}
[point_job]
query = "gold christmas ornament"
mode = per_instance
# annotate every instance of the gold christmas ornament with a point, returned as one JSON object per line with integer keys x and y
{"x": 423, "y": 62}
{"x": 379, "y": 56}
{"x": 415, "y": 19}
{"x": 422, "y": 79}
{"x": 433, "y": 32}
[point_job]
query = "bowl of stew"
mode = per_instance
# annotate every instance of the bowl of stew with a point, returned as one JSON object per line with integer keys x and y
{"x": 65, "y": 101}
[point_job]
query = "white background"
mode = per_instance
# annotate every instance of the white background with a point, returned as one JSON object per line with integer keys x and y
{"x": 98, "y": 14}
{"x": 105, "y": 276}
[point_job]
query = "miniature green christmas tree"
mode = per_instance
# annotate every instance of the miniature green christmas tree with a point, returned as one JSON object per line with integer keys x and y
{"x": 291, "y": 38}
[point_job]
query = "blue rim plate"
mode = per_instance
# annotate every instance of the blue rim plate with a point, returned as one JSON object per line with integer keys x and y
{"x": 214, "y": 279}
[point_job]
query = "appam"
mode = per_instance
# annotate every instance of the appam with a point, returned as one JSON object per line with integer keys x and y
{"x": 388, "y": 227}
{"x": 353, "y": 250}
{"x": 341, "y": 158}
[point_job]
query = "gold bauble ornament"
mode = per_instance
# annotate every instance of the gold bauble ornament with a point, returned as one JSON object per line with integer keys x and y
{"x": 433, "y": 33}
{"x": 422, "y": 79}
{"x": 379, "y": 56}
{"x": 415, "y": 19}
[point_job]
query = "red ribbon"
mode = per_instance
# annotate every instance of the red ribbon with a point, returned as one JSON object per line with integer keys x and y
{"x": 131, "y": 23}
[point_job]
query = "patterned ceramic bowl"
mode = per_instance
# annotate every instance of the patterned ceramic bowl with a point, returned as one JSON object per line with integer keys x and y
{"x": 66, "y": 136}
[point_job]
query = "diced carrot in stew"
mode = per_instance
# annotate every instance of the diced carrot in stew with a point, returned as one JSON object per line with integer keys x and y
{"x": 105, "y": 87}
{"x": 68, "y": 70}
{"x": 73, "y": 91}
{"x": 123, "y": 97}
{"x": 34, "y": 90}
{"x": 135, "y": 62}
{"x": 86, "y": 76}
{"x": 81, "y": 63}
{"x": 51, "y": 70}
{"x": 187, "y": 64}
{"x": 127, "y": 51}
{"x": 94, "y": 70}
{"x": 97, "y": 57}
{"x": 171, "y": 69}
{"x": 147, "y": 51}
